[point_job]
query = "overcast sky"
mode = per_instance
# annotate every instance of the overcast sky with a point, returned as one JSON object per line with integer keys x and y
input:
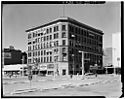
{"x": 19, "y": 17}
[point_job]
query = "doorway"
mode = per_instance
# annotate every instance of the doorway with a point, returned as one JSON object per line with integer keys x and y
{"x": 64, "y": 72}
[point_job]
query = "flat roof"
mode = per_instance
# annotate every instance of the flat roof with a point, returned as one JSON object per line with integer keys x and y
{"x": 70, "y": 20}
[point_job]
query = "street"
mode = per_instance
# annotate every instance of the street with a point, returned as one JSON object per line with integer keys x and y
{"x": 103, "y": 85}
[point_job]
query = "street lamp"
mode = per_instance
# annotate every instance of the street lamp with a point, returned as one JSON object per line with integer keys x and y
{"x": 22, "y": 66}
{"x": 36, "y": 66}
{"x": 82, "y": 63}
{"x": 114, "y": 55}
{"x": 118, "y": 59}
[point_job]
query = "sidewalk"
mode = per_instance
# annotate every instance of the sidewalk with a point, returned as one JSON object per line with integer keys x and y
{"x": 58, "y": 82}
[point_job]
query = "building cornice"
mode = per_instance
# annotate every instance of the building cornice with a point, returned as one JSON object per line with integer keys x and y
{"x": 70, "y": 20}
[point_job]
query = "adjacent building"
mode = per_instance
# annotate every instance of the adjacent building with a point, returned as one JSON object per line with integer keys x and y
{"x": 116, "y": 44}
{"x": 55, "y": 47}
{"x": 13, "y": 56}
{"x": 107, "y": 58}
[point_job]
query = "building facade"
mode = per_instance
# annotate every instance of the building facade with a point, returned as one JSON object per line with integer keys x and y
{"x": 116, "y": 44}
{"x": 13, "y": 56}
{"x": 107, "y": 58}
{"x": 55, "y": 47}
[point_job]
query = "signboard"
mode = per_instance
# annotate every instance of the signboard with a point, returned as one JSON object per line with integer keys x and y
{"x": 43, "y": 67}
{"x": 7, "y": 55}
{"x": 50, "y": 66}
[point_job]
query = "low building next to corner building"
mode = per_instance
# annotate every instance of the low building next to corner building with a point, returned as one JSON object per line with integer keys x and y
{"x": 55, "y": 47}
{"x": 13, "y": 56}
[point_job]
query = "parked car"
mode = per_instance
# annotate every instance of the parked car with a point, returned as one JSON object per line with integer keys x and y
{"x": 88, "y": 74}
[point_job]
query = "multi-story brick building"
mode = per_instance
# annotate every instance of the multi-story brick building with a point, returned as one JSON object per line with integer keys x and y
{"x": 13, "y": 56}
{"x": 55, "y": 46}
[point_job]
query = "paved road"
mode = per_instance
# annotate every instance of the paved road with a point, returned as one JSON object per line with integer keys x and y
{"x": 110, "y": 86}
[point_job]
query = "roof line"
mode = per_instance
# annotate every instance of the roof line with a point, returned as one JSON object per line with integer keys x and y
{"x": 65, "y": 19}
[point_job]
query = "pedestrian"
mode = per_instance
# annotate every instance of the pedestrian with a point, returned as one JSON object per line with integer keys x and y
{"x": 71, "y": 76}
{"x": 96, "y": 75}
{"x": 10, "y": 75}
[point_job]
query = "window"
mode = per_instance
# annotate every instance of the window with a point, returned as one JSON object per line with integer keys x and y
{"x": 41, "y": 39}
{"x": 63, "y": 27}
{"x": 47, "y": 59}
{"x": 39, "y": 34}
{"x": 47, "y": 53}
{"x": 29, "y": 54}
{"x": 44, "y": 59}
{"x": 29, "y": 60}
{"x": 41, "y": 46}
{"x": 56, "y": 50}
{"x": 56, "y": 43}
{"x": 55, "y": 58}
{"x": 33, "y": 42}
{"x": 50, "y": 44}
{"x": 50, "y": 30}
{"x": 63, "y": 49}
{"x": 41, "y": 59}
{"x": 54, "y": 29}
{"x": 44, "y": 45}
{"x": 38, "y": 40}
{"x": 47, "y": 38}
{"x": 50, "y": 37}
{"x": 57, "y": 28}
{"x": 47, "y": 31}
{"x": 47, "y": 45}
{"x": 44, "y": 52}
{"x": 44, "y": 38}
{"x": 50, "y": 53}
{"x": 29, "y": 48}
{"x": 63, "y": 34}
{"x": 56, "y": 36}
{"x": 38, "y": 53}
{"x": 33, "y": 54}
{"x": 76, "y": 30}
{"x": 38, "y": 46}
{"x": 41, "y": 52}
{"x": 63, "y": 42}
{"x": 50, "y": 58}
{"x": 29, "y": 36}
{"x": 34, "y": 34}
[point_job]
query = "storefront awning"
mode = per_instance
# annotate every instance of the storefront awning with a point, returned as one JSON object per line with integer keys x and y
{"x": 17, "y": 67}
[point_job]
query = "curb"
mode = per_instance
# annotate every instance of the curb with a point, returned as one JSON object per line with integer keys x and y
{"x": 24, "y": 91}
{"x": 69, "y": 85}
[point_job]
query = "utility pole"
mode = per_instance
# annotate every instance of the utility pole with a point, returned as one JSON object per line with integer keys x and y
{"x": 73, "y": 63}
{"x": 22, "y": 65}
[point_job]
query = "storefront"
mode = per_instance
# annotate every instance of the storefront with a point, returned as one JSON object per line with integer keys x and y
{"x": 15, "y": 69}
{"x": 43, "y": 70}
{"x": 50, "y": 69}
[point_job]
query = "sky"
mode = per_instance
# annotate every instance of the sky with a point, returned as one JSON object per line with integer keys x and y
{"x": 17, "y": 18}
